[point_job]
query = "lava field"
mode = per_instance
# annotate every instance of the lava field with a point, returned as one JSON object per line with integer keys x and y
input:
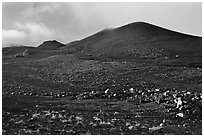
{"x": 67, "y": 95}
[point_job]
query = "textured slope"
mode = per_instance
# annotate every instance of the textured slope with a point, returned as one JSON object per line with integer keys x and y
{"x": 136, "y": 38}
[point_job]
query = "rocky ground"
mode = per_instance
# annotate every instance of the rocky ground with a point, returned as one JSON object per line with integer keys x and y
{"x": 65, "y": 95}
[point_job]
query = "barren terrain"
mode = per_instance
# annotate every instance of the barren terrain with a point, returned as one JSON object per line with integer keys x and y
{"x": 81, "y": 88}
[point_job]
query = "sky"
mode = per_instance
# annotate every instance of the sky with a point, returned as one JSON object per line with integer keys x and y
{"x": 30, "y": 23}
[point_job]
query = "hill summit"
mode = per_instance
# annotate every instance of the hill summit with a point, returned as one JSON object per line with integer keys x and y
{"x": 138, "y": 39}
{"x": 51, "y": 45}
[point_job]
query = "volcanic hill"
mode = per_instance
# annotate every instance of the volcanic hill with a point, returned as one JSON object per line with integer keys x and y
{"x": 51, "y": 45}
{"x": 138, "y": 40}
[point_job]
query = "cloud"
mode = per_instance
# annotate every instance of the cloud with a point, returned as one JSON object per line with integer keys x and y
{"x": 34, "y": 29}
{"x": 35, "y": 32}
{"x": 38, "y": 10}
{"x": 66, "y": 22}
{"x": 28, "y": 28}
{"x": 27, "y": 33}
{"x": 12, "y": 36}
{"x": 13, "y": 33}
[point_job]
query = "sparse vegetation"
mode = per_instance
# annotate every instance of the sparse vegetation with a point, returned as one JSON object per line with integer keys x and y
{"x": 77, "y": 91}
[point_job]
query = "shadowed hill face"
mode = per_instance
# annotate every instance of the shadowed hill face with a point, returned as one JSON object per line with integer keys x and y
{"x": 51, "y": 45}
{"x": 138, "y": 37}
{"x": 132, "y": 41}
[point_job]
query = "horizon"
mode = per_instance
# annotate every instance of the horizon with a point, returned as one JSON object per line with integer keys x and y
{"x": 19, "y": 45}
{"x": 31, "y": 29}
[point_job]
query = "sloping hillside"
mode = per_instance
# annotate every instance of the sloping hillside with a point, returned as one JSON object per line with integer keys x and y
{"x": 11, "y": 51}
{"x": 46, "y": 49}
{"x": 138, "y": 40}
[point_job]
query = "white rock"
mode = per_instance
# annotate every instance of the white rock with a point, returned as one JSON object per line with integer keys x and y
{"x": 70, "y": 118}
{"x": 131, "y": 90}
{"x": 78, "y": 118}
{"x": 128, "y": 124}
{"x": 180, "y": 114}
{"x": 155, "y": 128}
{"x": 64, "y": 121}
{"x": 130, "y": 127}
{"x": 179, "y": 102}
{"x": 165, "y": 93}
{"x": 102, "y": 123}
{"x": 157, "y": 90}
{"x": 36, "y": 115}
{"x": 91, "y": 123}
{"x": 53, "y": 116}
{"x": 124, "y": 91}
{"x": 106, "y": 91}
{"x": 60, "y": 116}
{"x": 19, "y": 122}
{"x": 188, "y": 92}
{"x": 47, "y": 113}
{"x": 116, "y": 113}
{"x": 161, "y": 124}
{"x": 174, "y": 95}
{"x": 96, "y": 118}
{"x": 108, "y": 123}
